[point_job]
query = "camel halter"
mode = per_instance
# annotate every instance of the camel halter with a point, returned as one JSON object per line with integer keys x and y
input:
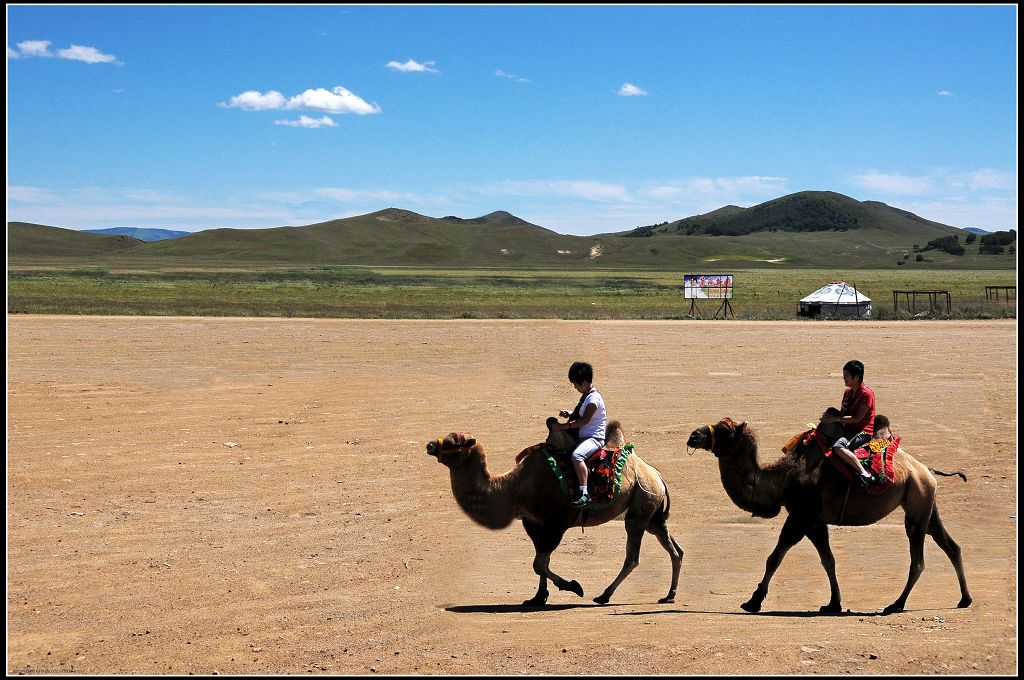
{"x": 461, "y": 443}
{"x": 712, "y": 449}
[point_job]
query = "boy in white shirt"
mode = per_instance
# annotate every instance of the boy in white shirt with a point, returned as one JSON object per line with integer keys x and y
{"x": 591, "y": 418}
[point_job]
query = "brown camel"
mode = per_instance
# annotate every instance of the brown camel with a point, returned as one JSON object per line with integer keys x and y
{"x": 532, "y": 492}
{"x": 816, "y": 495}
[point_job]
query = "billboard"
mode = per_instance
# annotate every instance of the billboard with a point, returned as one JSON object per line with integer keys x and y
{"x": 707, "y": 286}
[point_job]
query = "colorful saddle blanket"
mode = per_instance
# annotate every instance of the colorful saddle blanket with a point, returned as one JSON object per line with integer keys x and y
{"x": 809, "y": 438}
{"x": 605, "y": 472}
{"x": 877, "y": 458}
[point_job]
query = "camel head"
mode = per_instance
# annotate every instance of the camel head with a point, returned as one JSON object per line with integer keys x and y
{"x": 720, "y": 438}
{"x": 454, "y": 450}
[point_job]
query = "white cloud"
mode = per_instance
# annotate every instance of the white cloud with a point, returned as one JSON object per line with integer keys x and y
{"x": 41, "y": 48}
{"x": 412, "y": 66}
{"x": 251, "y": 100}
{"x": 717, "y": 189}
{"x": 586, "y": 189}
{"x": 35, "y": 48}
{"x": 307, "y": 122}
{"x": 89, "y": 55}
{"x": 101, "y": 207}
{"x": 990, "y": 213}
{"x": 511, "y": 76}
{"x": 901, "y": 185}
{"x": 12, "y": 54}
{"x": 944, "y": 93}
{"x": 345, "y": 195}
{"x": 337, "y": 100}
{"x": 630, "y": 90}
{"x": 985, "y": 198}
{"x": 990, "y": 179}
{"x": 30, "y": 195}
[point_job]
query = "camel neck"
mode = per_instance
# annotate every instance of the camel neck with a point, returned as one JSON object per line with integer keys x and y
{"x": 488, "y": 501}
{"x": 751, "y": 487}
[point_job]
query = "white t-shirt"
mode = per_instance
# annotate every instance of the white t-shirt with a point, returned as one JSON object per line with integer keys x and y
{"x": 595, "y": 427}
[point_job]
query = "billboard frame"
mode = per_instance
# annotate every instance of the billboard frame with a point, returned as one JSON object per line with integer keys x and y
{"x": 700, "y": 282}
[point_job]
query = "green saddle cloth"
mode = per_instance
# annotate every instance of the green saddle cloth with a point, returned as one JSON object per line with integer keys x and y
{"x": 604, "y": 477}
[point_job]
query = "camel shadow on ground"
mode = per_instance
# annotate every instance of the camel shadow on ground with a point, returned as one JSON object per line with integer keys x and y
{"x": 792, "y": 614}
{"x": 512, "y": 608}
{"x": 519, "y": 609}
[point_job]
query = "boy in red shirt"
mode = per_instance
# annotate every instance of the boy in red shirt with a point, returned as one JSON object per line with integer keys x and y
{"x": 856, "y": 415}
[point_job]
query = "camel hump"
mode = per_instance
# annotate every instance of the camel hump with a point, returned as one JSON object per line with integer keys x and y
{"x": 614, "y": 437}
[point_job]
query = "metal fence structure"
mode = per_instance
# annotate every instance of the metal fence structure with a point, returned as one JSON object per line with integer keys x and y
{"x": 992, "y": 293}
{"x": 910, "y": 297}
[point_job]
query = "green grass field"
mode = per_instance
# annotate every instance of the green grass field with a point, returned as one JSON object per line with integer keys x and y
{"x": 354, "y": 292}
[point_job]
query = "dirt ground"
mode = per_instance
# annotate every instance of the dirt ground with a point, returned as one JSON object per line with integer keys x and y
{"x": 253, "y": 496}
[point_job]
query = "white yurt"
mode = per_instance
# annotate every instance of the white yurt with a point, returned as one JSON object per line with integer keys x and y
{"x": 836, "y": 299}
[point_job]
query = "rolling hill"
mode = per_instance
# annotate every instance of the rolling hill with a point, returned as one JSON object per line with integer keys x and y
{"x": 140, "y": 233}
{"x": 25, "y": 239}
{"x": 804, "y": 212}
{"x": 808, "y": 229}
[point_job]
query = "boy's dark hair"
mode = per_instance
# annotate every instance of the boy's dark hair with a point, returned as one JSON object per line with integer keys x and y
{"x": 833, "y": 411}
{"x": 580, "y": 371}
{"x": 880, "y": 422}
{"x": 855, "y": 368}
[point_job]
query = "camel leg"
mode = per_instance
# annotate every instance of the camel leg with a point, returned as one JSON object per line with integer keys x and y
{"x": 545, "y": 540}
{"x": 819, "y": 537}
{"x": 634, "y": 535}
{"x": 792, "y": 533}
{"x": 952, "y": 550}
{"x": 675, "y": 552}
{"x": 916, "y": 533}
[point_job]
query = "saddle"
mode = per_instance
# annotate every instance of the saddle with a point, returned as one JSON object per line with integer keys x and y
{"x": 877, "y": 458}
{"x": 604, "y": 471}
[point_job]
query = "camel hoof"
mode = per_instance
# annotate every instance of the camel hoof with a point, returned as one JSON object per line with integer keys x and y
{"x": 669, "y": 599}
{"x": 965, "y": 601}
{"x": 538, "y": 600}
{"x": 602, "y": 599}
{"x": 894, "y": 608}
{"x": 575, "y": 587}
{"x": 831, "y": 608}
{"x": 751, "y": 606}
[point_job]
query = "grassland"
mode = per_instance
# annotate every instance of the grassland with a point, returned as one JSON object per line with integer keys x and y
{"x": 380, "y": 292}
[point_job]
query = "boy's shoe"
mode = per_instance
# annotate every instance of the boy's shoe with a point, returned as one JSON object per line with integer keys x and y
{"x": 862, "y": 481}
{"x": 581, "y": 501}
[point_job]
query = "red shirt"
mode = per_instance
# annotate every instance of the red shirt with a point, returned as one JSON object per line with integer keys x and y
{"x": 851, "y": 404}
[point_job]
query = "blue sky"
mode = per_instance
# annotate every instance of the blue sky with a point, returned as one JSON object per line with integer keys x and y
{"x": 582, "y": 119}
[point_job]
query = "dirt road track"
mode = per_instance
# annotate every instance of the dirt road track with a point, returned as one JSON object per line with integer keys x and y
{"x": 189, "y": 495}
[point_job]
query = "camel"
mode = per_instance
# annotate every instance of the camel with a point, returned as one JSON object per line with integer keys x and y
{"x": 816, "y": 495}
{"x": 531, "y": 492}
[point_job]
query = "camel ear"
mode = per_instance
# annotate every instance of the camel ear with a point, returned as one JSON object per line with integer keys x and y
{"x": 470, "y": 442}
{"x": 742, "y": 426}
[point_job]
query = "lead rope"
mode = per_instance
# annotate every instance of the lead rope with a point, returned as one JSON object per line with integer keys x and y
{"x": 846, "y": 500}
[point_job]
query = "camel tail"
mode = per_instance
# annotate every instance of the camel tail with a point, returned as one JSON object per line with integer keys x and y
{"x": 950, "y": 474}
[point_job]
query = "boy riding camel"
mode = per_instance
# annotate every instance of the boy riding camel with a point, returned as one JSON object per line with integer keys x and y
{"x": 590, "y": 418}
{"x": 856, "y": 416}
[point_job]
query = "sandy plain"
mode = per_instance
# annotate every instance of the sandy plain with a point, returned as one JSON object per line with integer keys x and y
{"x": 253, "y": 496}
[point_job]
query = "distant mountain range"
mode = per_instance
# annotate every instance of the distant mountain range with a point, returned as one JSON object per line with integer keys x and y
{"x": 140, "y": 233}
{"x": 806, "y": 229}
